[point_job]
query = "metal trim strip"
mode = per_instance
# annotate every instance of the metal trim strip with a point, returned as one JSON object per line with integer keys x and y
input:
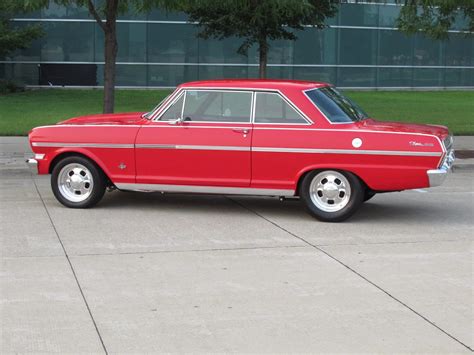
{"x": 205, "y": 189}
{"x": 282, "y": 65}
{"x": 239, "y": 148}
{"x": 81, "y": 145}
{"x": 343, "y": 151}
{"x": 192, "y": 147}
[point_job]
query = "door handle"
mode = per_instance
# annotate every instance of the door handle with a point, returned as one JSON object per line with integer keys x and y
{"x": 241, "y": 130}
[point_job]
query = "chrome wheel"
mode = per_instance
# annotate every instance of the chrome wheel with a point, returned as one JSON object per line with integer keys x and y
{"x": 330, "y": 191}
{"x": 75, "y": 182}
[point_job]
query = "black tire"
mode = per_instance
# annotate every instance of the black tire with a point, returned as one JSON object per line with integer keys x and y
{"x": 368, "y": 194}
{"x": 351, "y": 204}
{"x": 94, "y": 174}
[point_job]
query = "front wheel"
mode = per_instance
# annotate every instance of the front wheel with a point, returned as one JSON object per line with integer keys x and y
{"x": 331, "y": 195}
{"x": 77, "y": 182}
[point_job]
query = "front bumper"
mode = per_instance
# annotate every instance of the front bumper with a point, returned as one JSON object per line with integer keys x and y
{"x": 436, "y": 177}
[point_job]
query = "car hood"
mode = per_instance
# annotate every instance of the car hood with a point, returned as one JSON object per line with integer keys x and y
{"x": 370, "y": 124}
{"x": 128, "y": 118}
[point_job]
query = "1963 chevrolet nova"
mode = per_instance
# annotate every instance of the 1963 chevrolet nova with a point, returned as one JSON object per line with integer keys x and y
{"x": 249, "y": 137}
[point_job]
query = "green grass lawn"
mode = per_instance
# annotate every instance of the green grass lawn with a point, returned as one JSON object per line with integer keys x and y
{"x": 22, "y": 111}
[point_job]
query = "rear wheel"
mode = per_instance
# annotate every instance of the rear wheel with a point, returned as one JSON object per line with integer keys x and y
{"x": 77, "y": 182}
{"x": 331, "y": 195}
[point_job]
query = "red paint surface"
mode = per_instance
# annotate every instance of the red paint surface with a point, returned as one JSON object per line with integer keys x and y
{"x": 279, "y": 170}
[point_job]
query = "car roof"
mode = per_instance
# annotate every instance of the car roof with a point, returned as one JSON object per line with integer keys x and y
{"x": 255, "y": 83}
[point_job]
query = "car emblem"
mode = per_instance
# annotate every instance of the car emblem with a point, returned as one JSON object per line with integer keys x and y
{"x": 418, "y": 144}
{"x": 122, "y": 166}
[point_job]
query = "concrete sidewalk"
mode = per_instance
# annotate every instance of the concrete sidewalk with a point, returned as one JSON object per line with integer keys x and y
{"x": 176, "y": 273}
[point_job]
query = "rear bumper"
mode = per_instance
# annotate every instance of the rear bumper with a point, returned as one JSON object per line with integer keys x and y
{"x": 436, "y": 177}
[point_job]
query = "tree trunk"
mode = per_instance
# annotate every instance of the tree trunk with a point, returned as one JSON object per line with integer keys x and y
{"x": 110, "y": 52}
{"x": 263, "y": 57}
{"x": 110, "y": 49}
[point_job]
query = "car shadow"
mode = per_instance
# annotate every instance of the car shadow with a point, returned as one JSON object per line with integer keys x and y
{"x": 372, "y": 211}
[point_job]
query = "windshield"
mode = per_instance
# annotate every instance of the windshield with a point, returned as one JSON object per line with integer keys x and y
{"x": 336, "y": 107}
{"x": 148, "y": 114}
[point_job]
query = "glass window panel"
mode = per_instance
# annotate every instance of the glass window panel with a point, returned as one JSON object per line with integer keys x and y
{"x": 172, "y": 43}
{"x": 388, "y": 15}
{"x": 126, "y": 75}
{"x": 272, "y": 108}
{"x": 331, "y": 21}
{"x": 359, "y": 15}
{"x": 428, "y": 77}
{"x": 217, "y": 106}
{"x": 27, "y": 74}
{"x": 171, "y": 75}
{"x": 427, "y": 51}
{"x": 174, "y": 111}
{"x": 395, "y": 48}
{"x": 132, "y": 14}
{"x": 222, "y": 72}
{"x": 325, "y": 74}
{"x": 131, "y": 43}
{"x": 315, "y": 46}
{"x": 394, "y": 77}
{"x": 459, "y": 77}
{"x": 336, "y": 107}
{"x": 357, "y": 46}
{"x": 68, "y": 41}
{"x": 158, "y": 14}
{"x": 32, "y": 53}
{"x": 459, "y": 50}
{"x": 275, "y": 72}
{"x": 71, "y": 11}
{"x": 221, "y": 51}
{"x": 281, "y": 52}
{"x": 356, "y": 77}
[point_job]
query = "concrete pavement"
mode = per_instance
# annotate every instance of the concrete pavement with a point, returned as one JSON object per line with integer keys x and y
{"x": 177, "y": 273}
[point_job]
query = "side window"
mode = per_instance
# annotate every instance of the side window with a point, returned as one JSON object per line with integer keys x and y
{"x": 217, "y": 106}
{"x": 174, "y": 111}
{"x": 272, "y": 108}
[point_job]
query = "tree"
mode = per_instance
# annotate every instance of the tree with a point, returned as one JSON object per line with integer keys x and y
{"x": 15, "y": 38}
{"x": 435, "y": 17}
{"x": 105, "y": 13}
{"x": 257, "y": 21}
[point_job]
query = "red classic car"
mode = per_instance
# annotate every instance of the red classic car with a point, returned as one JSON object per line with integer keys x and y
{"x": 249, "y": 137}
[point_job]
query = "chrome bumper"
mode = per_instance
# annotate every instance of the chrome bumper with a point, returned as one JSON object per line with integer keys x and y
{"x": 437, "y": 176}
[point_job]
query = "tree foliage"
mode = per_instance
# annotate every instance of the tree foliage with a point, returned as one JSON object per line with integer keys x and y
{"x": 12, "y": 38}
{"x": 435, "y": 17}
{"x": 257, "y": 21}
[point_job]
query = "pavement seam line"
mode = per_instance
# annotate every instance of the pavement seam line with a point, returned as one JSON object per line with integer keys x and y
{"x": 71, "y": 266}
{"x": 186, "y": 251}
{"x": 355, "y": 272}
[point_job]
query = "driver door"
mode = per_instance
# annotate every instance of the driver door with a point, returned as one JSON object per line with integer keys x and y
{"x": 210, "y": 146}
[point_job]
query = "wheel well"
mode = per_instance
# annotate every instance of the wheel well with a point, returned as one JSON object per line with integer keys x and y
{"x": 61, "y": 156}
{"x": 298, "y": 185}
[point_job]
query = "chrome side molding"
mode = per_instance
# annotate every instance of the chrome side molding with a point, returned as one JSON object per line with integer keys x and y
{"x": 222, "y": 190}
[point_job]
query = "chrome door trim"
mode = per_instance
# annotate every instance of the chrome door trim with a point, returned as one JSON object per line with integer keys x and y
{"x": 343, "y": 151}
{"x": 81, "y": 145}
{"x": 205, "y": 189}
{"x": 192, "y": 147}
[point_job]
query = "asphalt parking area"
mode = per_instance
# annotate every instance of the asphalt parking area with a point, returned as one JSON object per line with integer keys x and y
{"x": 180, "y": 273}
